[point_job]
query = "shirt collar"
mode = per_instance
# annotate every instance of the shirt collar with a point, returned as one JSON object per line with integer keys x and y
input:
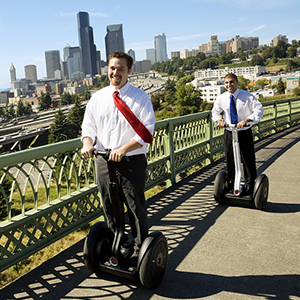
{"x": 122, "y": 90}
{"x": 235, "y": 94}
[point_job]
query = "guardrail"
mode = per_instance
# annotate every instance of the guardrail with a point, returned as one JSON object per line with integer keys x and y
{"x": 50, "y": 191}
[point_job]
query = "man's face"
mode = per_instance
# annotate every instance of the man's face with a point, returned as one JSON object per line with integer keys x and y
{"x": 231, "y": 84}
{"x": 118, "y": 72}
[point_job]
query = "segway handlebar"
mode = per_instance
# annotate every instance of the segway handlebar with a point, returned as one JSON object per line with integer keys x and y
{"x": 106, "y": 154}
{"x": 234, "y": 125}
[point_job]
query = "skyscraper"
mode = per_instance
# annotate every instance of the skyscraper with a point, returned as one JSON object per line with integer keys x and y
{"x": 151, "y": 55}
{"x": 160, "y": 45}
{"x": 114, "y": 39}
{"x": 86, "y": 43}
{"x": 132, "y": 54}
{"x": 72, "y": 59}
{"x": 30, "y": 73}
{"x": 13, "y": 74}
{"x": 52, "y": 63}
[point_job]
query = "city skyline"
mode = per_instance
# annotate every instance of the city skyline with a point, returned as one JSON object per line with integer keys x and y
{"x": 25, "y": 40}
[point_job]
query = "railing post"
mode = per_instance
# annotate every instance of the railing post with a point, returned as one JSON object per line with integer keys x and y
{"x": 172, "y": 151}
{"x": 290, "y": 112}
{"x": 276, "y": 112}
{"x": 211, "y": 138}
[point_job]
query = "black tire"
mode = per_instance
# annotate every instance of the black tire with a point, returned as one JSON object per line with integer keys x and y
{"x": 220, "y": 186}
{"x": 261, "y": 190}
{"x": 97, "y": 246}
{"x": 154, "y": 262}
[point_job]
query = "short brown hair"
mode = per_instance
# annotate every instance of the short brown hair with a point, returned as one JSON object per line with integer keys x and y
{"x": 119, "y": 54}
{"x": 231, "y": 75}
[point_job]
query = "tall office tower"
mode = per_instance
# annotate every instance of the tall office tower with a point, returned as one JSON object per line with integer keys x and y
{"x": 132, "y": 54}
{"x": 160, "y": 44}
{"x": 13, "y": 73}
{"x": 86, "y": 43}
{"x": 30, "y": 73}
{"x": 98, "y": 61}
{"x": 72, "y": 57}
{"x": 114, "y": 39}
{"x": 151, "y": 55}
{"x": 52, "y": 63}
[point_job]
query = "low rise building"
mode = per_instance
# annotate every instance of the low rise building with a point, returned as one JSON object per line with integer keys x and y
{"x": 247, "y": 72}
{"x": 210, "y": 90}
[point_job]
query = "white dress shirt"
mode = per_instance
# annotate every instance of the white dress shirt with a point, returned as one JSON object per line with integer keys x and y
{"x": 247, "y": 106}
{"x": 103, "y": 120}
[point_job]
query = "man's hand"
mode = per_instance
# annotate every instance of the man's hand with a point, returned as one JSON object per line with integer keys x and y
{"x": 88, "y": 148}
{"x": 241, "y": 124}
{"x": 221, "y": 123}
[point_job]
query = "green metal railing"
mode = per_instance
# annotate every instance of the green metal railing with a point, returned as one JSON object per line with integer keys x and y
{"x": 50, "y": 191}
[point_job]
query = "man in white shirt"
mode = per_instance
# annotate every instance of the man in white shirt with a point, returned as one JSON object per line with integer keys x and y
{"x": 249, "y": 111}
{"x": 104, "y": 121}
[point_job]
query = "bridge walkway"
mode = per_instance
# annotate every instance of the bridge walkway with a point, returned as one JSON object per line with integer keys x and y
{"x": 229, "y": 251}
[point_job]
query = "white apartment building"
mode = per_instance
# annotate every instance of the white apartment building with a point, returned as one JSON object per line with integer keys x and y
{"x": 247, "y": 72}
{"x": 187, "y": 53}
{"x": 210, "y": 90}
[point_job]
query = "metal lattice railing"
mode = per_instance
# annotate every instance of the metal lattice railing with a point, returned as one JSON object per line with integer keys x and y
{"x": 50, "y": 191}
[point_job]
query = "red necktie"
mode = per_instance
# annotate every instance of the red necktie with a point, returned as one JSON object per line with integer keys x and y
{"x": 136, "y": 124}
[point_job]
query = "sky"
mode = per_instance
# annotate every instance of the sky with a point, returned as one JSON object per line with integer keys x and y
{"x": 29, "y": 28}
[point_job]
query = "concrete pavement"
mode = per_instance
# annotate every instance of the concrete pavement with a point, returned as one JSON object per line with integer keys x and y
{"x": 229, "y": 251}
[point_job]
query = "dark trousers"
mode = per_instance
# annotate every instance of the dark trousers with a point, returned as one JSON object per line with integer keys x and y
{"x": 131, "y": 178}
{"x": 247, "y": 154}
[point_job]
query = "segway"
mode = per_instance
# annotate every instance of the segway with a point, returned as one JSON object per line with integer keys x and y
{"x": 103, "y": 251}
{"x": 259, "y": 196}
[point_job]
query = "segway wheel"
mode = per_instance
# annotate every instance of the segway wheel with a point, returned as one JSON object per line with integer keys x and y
{"x": 261, "y": 191}
{"x": 154, "y": 262}
{"x": 220, "y": 187}
{"x": 97, "y": 246}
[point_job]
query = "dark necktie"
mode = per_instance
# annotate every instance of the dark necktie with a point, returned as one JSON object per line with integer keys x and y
{"x": 135, "y": 123}
{"x": 233, "y": 112}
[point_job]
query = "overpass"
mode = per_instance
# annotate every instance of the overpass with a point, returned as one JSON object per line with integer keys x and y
{"x": 216, "y": 252}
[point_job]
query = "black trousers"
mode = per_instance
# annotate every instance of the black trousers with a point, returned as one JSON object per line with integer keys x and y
{"x": 247, "y": 155}
{"x": 131, "y": 178}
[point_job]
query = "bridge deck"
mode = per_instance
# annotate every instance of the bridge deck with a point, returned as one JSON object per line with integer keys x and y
{"x": 216, "y": 251}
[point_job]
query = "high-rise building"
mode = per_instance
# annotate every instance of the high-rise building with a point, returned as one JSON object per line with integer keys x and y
{"x": 86, "y": 43}
{"x": 114, "y": 39}
{"x": 160, "y": 44}
{"x": 13, "y": 74}
{"x": 72, "y": 59}
{"x": 52, "y": 63}
{"x": 30, "y": 73}
{"x": 151, "y": 55}
{"x": 278, "y": 38}
{"x": 132, "y": 54}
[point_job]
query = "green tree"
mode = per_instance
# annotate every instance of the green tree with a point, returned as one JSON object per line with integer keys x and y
{"x": 59, "y": 130}
{"x": 75, "y": 117}
{"x": 27, "y": 109}
{"x": 280, "y": 86}
{"x": 20, "y": 108}
{"x": 257, "y": 60}
{"x": 296, "y": 91}
{"x": 66, "y": 98}
{"x": 45, "y": 101}
{"x": 243, "y": 83}
{"x": 156, "y": 99}
{"x": 188, "y": 95}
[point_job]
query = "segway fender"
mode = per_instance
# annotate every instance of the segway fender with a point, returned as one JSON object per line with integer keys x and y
{"x": 260, "y": 191}
{"x": 150, "y": 239}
